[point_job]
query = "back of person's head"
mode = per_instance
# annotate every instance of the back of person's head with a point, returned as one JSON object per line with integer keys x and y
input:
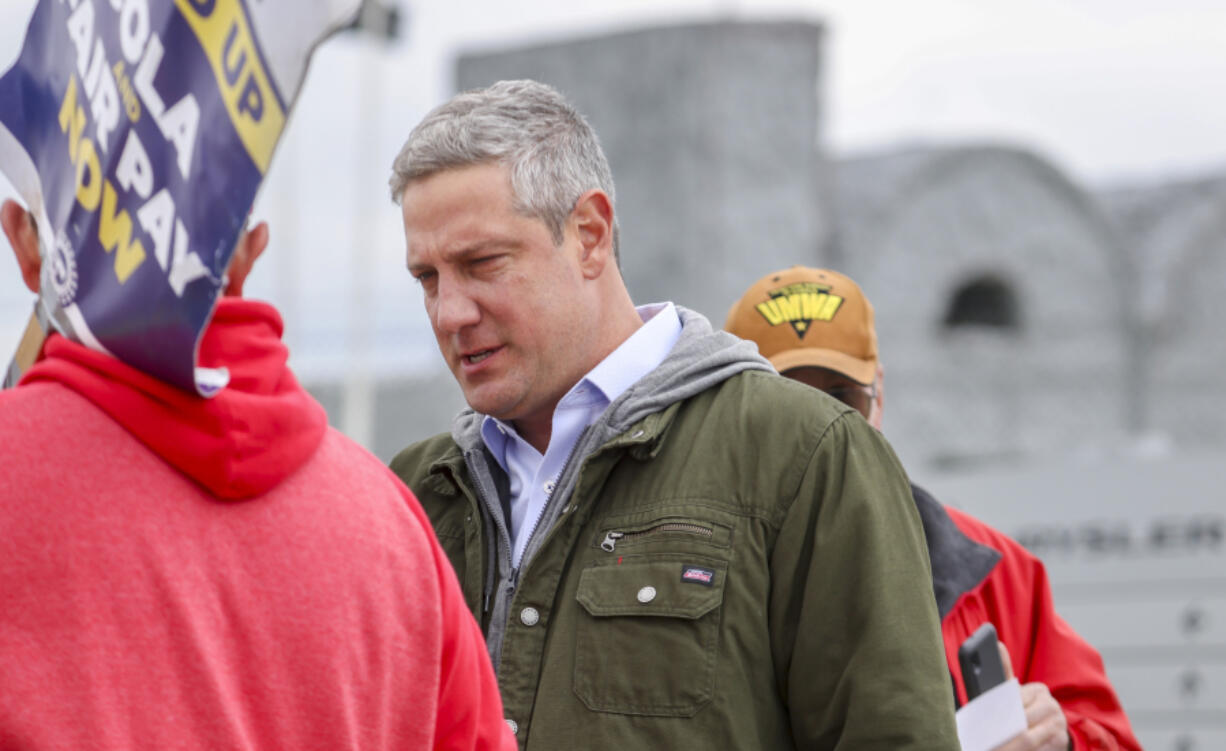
{"x": 550, "y": 150}
{"x": 815, "y": 326}
{"x": 805, "y": 317}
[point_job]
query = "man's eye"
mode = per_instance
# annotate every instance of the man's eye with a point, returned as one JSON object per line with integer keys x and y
{"x": 424, "y": 277}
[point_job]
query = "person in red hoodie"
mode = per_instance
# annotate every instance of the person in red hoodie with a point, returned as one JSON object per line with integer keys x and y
{"x": 816, "y": 326}
{"x": 225, "y": 573}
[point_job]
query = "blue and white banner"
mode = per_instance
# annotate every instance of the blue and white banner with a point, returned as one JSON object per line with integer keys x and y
{"x": 137, "y": 132}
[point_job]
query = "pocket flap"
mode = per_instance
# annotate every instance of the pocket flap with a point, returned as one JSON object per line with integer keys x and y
{"x": 672, "y": 588}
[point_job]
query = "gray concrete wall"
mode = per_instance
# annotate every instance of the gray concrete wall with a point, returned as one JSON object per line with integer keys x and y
{"x": 1176, "y": 234}
{"x": 1135, "y": 549}
{"x": 914, "y": 226}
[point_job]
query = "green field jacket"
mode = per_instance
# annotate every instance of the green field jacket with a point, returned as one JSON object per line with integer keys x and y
{"x": 734, "y": 562}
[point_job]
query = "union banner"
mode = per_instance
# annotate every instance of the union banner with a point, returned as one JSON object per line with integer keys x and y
{"x": 137, "y": 132}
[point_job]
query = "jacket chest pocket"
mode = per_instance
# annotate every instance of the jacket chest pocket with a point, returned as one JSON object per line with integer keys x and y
{"x": 648, "y": 635}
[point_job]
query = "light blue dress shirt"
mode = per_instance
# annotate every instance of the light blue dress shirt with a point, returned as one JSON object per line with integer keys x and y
{"x": 534, "y": 475}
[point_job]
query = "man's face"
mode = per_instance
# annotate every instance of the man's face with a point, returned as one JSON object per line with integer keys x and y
{"x": 507, "y": 306}
{"x": 855, "y": 395}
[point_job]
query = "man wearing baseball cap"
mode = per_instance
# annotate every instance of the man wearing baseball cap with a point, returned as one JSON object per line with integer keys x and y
{"x": 816, "y": 326}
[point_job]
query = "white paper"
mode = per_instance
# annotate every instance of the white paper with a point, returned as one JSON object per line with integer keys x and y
{"x": 992, "y": 718}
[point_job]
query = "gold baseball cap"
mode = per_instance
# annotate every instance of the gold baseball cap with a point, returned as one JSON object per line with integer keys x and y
{"x": 809, "y": 317}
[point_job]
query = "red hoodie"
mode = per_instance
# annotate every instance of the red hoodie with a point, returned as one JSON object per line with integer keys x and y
{"x": 219, "y": 574}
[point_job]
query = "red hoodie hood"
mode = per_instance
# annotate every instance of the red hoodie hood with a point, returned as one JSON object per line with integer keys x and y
{"x": 256, "y": 432}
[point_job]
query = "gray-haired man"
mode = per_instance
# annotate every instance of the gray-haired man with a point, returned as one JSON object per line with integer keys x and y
{"x": 668, "y": 545}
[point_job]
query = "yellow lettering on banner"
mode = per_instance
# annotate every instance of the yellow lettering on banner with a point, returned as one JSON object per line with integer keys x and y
{"x": 72, "y": 118}
{"x": 131, "y": 102}
{"x": 115, "y": 234}
{"x": 87, "y": 161}
{"x": 225, "y": 34}
{"x": 81, "y": 152}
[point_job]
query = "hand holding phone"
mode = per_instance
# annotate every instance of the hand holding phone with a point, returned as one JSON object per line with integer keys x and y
{"x": 979, "y": 658}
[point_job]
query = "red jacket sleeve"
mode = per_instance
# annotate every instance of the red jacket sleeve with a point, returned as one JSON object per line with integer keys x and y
{"x": 1016, "y": 598}
{"x": 470, "y": 714}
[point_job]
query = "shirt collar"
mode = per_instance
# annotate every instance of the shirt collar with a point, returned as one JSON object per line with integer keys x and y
{"x": 634, "y": 358}
{"x": 640, "y": 354}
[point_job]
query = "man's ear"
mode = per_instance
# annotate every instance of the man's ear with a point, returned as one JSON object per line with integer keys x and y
{"x": 592, "y": 220}
{"x": 250, "y": 246}
{"x": 22, "y": 234}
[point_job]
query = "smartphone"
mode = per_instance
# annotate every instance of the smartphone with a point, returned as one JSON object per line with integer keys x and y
{"x": 979, "y": 658}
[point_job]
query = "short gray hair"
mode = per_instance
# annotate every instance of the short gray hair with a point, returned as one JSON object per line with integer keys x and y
{"x": 551, "y": 150}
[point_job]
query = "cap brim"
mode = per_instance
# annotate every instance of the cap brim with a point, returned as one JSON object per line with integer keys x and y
{"x": 860, "y": 371}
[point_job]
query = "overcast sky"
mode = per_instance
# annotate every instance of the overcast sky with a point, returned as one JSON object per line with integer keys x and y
{"x": 1110, "y": 90}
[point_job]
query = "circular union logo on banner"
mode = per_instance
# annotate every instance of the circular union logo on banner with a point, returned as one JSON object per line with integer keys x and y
{"x": 63, "y": 270}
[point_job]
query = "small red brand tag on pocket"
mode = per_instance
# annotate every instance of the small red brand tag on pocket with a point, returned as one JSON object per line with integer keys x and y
{"x": 698, "y": 575}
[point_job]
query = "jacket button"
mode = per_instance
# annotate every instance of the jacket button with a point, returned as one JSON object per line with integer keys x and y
{"x": 647, "y": 594}
{"x": 529, "y": 616}
{"x": 513, "y": 725}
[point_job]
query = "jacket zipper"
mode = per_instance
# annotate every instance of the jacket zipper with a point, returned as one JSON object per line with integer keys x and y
{"x": 611, "y": 538}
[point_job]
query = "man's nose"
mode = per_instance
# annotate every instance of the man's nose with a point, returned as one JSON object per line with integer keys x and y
{"x": 454, "y": 307}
